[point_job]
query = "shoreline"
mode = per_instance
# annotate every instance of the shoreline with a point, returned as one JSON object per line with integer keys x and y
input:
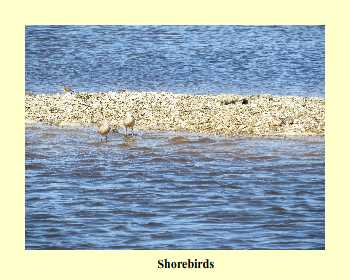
{"x": 223, "y": 114}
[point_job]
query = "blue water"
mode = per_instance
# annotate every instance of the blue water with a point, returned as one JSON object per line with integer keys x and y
{"x": 283, "y": 60}
{"x": 160, "y": 190}
{"x": 172, "y": 191}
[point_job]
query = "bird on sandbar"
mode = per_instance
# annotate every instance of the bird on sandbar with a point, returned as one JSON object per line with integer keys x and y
{"x": 103, "y": 129}
{"x": 129, "y": 122}
{"x": 68, "y": 90}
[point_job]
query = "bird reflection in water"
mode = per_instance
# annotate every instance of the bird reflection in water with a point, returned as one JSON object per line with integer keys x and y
{"x": 129, "y": 141}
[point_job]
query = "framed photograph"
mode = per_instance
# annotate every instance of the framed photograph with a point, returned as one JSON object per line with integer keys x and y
{"x": 228, "y": 146}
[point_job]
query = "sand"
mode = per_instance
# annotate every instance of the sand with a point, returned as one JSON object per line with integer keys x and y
{"x": 223, "y": 114}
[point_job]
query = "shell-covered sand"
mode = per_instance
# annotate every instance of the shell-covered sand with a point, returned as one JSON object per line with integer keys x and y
{"x": 224, "y": 114}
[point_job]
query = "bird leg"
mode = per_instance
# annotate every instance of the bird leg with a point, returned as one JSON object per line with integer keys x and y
{"x": 126, "y": 131}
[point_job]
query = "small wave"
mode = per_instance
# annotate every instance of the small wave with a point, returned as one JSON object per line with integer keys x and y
{"x": 88, "y": 161}
{"x": 258, "y": 158}
{"x": 312, "y": 154}
{"x": 134, "y": 213}
{"x": 153, "y": 225}
{"x": 204, "y": 140}
{"x": 272, "y": 192}
{"x": 31, "y": 156}
{"x": 53, "y": 235}
{"x": 78, "y": 173}
{"x": 162, "y": 235}
{"x": 33, "y": 199}
{"x": 278, "y": 209}
{"x": 41, "y": 216}
{"x": 47, "y": 135}
{"x": 187, "y": 152}
{"x": 157, "y": 160}
{"x": 35, "y": 166}
{"x": 303, "y": 193}
{"x": 180, "y": 159}
{"x": 122, "y": 227}
{"x": 179, "y": 140}
{"x": 144, "y": 149}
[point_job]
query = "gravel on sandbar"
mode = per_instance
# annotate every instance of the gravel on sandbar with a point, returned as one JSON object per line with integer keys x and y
{"x": 222, "y": 114}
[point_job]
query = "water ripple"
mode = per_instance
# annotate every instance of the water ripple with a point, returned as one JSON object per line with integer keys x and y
{"x": 166, "y": 195}
{"x": 283, "y": 60}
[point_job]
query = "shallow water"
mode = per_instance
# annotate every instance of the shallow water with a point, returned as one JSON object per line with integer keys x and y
{"x": 281, "y": 60}
{"x": 160, "y": 190}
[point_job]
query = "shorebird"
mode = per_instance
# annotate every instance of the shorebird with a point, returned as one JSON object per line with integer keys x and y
{"x": 68, "y": 89}
{"x": 129, "y": 122}
{"x": 103, "y": 129}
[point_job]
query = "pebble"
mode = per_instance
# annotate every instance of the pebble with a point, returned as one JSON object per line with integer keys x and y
{"x": 220, "y": 114}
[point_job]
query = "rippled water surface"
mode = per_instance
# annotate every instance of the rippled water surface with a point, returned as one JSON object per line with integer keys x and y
{"x": 161, "y": 190}
{"x": 164, "y": 190}
{"x": 283, "y": 60}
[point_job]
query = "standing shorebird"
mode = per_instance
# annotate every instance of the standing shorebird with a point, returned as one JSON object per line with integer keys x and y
{"x": 103, "y": 129}
{"x": 129, "y": 122}
{"x": 68, "y": 90}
